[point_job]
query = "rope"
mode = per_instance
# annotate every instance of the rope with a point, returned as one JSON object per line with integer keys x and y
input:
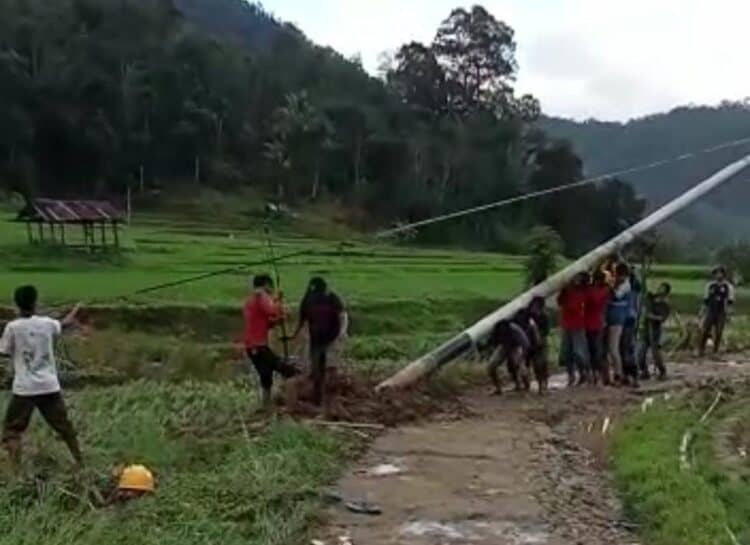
{"x": 190, "y": 279}
{"x": 272, "y": 254}
{"x": 557, "y": 189}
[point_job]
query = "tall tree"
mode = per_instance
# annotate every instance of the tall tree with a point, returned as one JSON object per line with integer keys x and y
{"x": 478, "y": 53}
{"x": 419, "y": 80}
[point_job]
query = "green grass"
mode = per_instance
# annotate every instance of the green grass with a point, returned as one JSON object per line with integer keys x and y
{"x": 217, "y": 484}
{"x": 159, "y": 251}
{"x": 728, "y": 477}
{"x": 403, "y": 301}
{"x": 674, "y": 506}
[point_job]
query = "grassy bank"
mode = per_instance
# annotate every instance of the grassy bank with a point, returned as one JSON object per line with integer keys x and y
{"x": 218, "y": 483}
{"x": 674, "y": 506}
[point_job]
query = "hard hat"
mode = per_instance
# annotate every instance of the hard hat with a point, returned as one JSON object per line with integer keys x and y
{"x": 137, "y": 478}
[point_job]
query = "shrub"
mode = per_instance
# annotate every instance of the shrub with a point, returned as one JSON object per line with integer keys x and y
{"x": 544, "y": 246}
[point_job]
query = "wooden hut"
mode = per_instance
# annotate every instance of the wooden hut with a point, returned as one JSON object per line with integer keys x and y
{"x": 95, "y": 218}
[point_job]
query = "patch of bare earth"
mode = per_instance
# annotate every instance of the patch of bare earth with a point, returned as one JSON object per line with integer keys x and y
{"x": 519, "y": 470}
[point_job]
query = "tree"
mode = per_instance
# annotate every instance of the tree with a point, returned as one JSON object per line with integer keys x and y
{"x": 97, "y": 93}
{"x": 419, "y": 80}
{"x": 544, "y": 247}
{"x": 301, "y": 134}
{"x": 478, "y": 54}
{"x": 736, "y": 257}
{"x": 353, "y": 129}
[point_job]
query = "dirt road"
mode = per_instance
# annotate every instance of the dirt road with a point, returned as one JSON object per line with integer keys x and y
{"x": 522, "y": 470}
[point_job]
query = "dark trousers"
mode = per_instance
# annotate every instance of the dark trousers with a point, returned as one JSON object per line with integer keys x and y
{"x": 53, "y": 410}
{"x": 318, "y": 364}
{"x": 516, "y": 358}
{"x": 713, "y": 326}
{"x": 652, "y": 342}
{"x": 539, "y": 362}
{"x": 627, "y": 349}
{"x": 266, "y": 363}
{"x": 596, "y": 349}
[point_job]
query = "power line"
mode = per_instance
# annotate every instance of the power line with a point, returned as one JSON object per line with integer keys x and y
{"x": 534, "y": 194}
{"x": 438, "y": 219}
{"x": 191, "y": 279}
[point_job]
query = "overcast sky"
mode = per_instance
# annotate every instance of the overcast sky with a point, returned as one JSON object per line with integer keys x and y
{"x": 581, "y": 58}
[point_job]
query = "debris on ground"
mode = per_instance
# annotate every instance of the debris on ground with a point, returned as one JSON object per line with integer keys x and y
{"x": 384, "y": 470}
{"x": 363, "y": 507}
{"x": 352, "y": 398}
{"x": 576, "y": 495}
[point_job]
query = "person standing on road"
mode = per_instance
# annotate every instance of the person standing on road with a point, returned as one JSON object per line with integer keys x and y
{"x": 574, "y": 354}
{"x": 327, "y": 321}
{"x": 539, "y": 351}
{"x": 511, "y": 345}
{"x": 718, "y": 300}
{"x": 629, "y": 330}
{"x": 597, "y": 298}
{"x": 263, "y": 311}
{"x": 29, "y": 342}
{"x": 657, "y": 312}
{"x": 617, "y": 315}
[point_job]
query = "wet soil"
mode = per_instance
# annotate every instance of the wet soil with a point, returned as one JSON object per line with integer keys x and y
{"x": 518, "y": 469}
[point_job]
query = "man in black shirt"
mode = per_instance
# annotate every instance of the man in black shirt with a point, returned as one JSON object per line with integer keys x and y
{"x": 512, "y": 344}
{"x": 538, "y": 329}
{"x": 718, "y": 299}
{"x": 326, "y": 319}
{"x": 657, "y": 312}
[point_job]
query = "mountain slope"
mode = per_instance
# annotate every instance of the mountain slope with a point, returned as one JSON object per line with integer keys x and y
{"x": 241, "y": 20}
{"x": 606, "y": 147}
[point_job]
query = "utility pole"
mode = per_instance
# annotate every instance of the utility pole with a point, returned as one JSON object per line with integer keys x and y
{"x": 466, "y": 340}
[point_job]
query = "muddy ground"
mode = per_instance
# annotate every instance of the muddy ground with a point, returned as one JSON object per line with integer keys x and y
{"x": 513, "y": 470}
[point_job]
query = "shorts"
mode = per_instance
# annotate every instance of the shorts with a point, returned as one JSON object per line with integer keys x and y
{"x": 266, "y": 363}
{"x": 21, "y": 408}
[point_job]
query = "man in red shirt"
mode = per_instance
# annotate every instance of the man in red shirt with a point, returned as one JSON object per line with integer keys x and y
{"x": 262, "y": 313}
{"x": 574, "y": 352}
{"x": 597, "y": 297}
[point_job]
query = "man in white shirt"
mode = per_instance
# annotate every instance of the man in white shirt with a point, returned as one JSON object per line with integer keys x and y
{"x": 29, "y": 342}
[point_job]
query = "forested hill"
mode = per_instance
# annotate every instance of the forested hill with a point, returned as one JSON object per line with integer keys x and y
{"x": 246, "y": 22}
{"x": 176, "y": 95}
{"x": 606, "y": 147}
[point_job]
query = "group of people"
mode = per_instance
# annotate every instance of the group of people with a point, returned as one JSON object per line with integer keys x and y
{"x": 321, "y": 311}
{"x": 29, "y": 342}
{"x": 599, "y": 318}
{"x": 600, "y": 314}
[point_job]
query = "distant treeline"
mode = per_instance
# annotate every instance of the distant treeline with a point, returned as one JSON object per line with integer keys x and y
{"x": 100, "y": 94}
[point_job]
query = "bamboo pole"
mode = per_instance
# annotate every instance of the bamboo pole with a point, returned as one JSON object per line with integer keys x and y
{"x": 464, "y": 341}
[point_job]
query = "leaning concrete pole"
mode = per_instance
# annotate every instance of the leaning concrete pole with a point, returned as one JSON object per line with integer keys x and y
{"x": 463, "y": 342}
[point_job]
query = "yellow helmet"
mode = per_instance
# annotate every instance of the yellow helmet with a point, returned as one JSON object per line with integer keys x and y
{"x": 137, "y": 478}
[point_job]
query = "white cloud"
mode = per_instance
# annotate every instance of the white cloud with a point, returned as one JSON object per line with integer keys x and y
{"x": 582, "y": 58}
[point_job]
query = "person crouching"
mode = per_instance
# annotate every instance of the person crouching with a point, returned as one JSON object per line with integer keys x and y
{"x": 512, "y": 345}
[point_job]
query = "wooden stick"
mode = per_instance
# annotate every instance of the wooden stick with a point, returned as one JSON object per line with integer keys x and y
{"x": 711, "y": 408}
{"x": 352, "y": 425}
